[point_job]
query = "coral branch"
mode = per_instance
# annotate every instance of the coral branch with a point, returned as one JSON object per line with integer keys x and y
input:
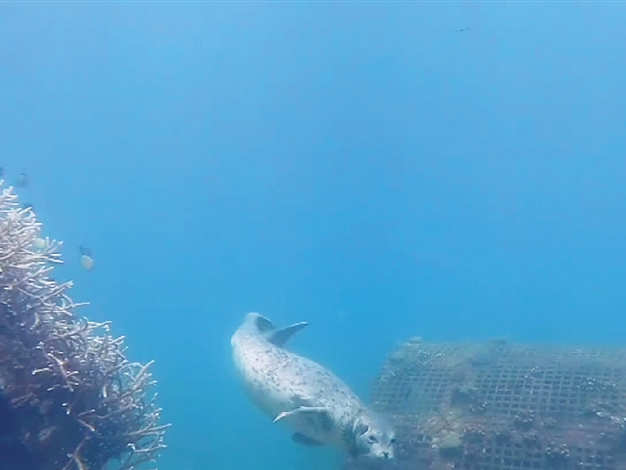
{"x": 65, "y": 382}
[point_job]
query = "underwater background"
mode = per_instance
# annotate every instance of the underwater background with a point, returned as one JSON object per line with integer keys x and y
{"x": 455, "y": 171}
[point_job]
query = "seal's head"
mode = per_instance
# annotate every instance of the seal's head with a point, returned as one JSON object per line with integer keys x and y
{"x": 373, "y": 437}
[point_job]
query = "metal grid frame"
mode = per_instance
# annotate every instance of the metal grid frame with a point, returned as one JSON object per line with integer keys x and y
{"x": 505, "y": 406}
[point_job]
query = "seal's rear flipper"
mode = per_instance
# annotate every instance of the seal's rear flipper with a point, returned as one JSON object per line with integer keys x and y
{"x": 305, "y": 441}
{"x": 280, "y": 337}
{"x": 268, "y": 330}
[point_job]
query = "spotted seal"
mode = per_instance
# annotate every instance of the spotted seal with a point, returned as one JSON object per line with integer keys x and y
{"x": 315, "y": 404}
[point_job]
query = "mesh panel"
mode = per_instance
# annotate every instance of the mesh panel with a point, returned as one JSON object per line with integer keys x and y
{"x": 502, "y": 406}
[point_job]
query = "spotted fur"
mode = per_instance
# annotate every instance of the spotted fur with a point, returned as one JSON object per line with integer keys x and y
{"x": 315, "y": 404}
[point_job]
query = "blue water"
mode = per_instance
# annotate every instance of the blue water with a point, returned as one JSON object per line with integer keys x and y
{"x": 382, "y": 170}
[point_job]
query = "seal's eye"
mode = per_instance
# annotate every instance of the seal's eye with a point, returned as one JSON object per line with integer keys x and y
{"x": 372, "y": 439}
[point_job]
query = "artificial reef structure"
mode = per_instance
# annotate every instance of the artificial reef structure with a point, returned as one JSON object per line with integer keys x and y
{"x": 503, "y": 406}
{"x": 70, "y": 399}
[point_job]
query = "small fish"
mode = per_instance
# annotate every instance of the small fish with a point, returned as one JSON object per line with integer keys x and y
{"x": 22, "y": 180}
{"x": 462, "y": 30}
{"x": 86, "y": 262}
{"x": 84, "y": 250}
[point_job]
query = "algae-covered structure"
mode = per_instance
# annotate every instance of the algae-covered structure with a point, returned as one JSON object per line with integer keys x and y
{"x": 70, "y": 399}
{"x": 503, "y": 406}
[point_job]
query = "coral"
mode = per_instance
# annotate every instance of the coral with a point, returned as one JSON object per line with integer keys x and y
{"x": 69, "y": 397}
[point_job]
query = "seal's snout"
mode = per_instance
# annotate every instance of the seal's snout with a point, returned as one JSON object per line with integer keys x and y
{"x": 374, "y": 438}
{"x": 386, "y": 454}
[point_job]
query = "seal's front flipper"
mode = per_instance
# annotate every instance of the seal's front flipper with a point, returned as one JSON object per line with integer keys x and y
{"x": 313, "y": 417}
{"x": 280, "y": 337}
{"x": 305, "y": 441}
{"x": 303, "y": 412}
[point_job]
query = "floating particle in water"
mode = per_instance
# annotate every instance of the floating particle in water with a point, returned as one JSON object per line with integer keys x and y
{"x": 86, "y": 262}
{"x": 22, "y": 180}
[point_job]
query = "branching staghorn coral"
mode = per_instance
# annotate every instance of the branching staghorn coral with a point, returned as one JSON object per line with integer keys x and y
{"x": 69, "y": 397}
